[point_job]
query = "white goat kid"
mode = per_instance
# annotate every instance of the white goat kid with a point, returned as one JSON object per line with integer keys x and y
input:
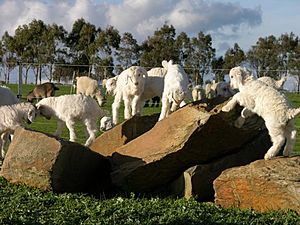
{"x": 175, "y": 88}
{"x": 268, "y": 103}
{"x": 69, "y": 108}
{"x": 89, "y": 87}
{"x": 15, "y": 115}
{"x": 278, "y": 84}
{"x": 106, "y": 123}
{"x": 7, "y": 97}
{"x": 110, "y": 85}
{"x": 129, "y": 88}
{"x": 197, "y": 93}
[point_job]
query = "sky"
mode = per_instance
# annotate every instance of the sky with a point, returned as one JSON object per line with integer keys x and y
{"x": 227, "y": 21}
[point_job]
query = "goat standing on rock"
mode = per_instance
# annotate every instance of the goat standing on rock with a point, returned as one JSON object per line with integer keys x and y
{"x": 69, "y": 108}
{"x": 129, "y": 88}
{"x": 175, "y": 88}
{"x": 12, "y": 117}
{"x": 267, "y": 102}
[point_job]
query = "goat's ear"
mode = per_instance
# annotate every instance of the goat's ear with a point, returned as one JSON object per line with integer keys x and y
{"x": 143, "y": 71}
{"x": 164, "y": 63}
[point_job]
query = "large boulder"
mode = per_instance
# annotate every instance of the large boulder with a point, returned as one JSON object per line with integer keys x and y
{"x": 109, "y": 141}
{"x": 195, "y": 134}
{"x": 197, "y": 181}
{"x": 262, "y": 185}
{"x": 49, "y": 163}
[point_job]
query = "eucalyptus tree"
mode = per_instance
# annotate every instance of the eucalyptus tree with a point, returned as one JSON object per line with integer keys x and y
{"x": 81, "y": 44}
{"x": 159, "y": 47}
{"x": 128, "y": 51}
{"x": 53, "y": 39}
{"x": 233, "y": 57}
{"x": 264, "y": 56}
{"x": 107, "y": 43}
{"x": 287, "y": 46}
{"x": 294, "y": 64}
{"x": 9, "y": 58}
{"x": 182, "y": 43}
{"x": 23, "y": 49}
{"x": 218, "y": 68}
{"x": 200, "y": 57}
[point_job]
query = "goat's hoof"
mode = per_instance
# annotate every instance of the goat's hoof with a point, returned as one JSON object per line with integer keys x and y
{"x": 225, "y": 109}
{"x": 268, "y": 156}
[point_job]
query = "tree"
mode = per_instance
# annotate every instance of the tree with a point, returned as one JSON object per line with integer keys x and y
{"x": 217, "y": 67}
{"x": 183, "y": 45}
{"x": 264, "y": 57}
{"x": 294, "y": 64}
{"x": 53, "y": 37}
{"x": 287, "y": 46}
{"x": 233, "y": 57}
{"x": 81, "y": 42}
{"x": 9, "y": 56}
{"x": 159, "y": 47}
{"x": 107, "y": 43}
{"x": 128, "y": 51}
{"x": 200, "y": 58}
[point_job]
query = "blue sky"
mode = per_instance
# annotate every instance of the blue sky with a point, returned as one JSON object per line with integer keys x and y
{"x": 228, "y": 21}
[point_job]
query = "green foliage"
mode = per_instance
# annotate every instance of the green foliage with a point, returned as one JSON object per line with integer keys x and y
{"x": 23, "y": 205}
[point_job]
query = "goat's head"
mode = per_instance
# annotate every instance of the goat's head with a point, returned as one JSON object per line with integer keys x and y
{"x": 239, "y": 76}
{"x": 106, "y": 123}
{"x": 31, "y": 113}
{"x": 136, "y": 75}
{"x": 100, "y": 97}
{"x": 110, "y": 85}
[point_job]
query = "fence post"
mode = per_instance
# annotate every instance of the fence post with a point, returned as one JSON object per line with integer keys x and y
{"x": 19, "y": 95}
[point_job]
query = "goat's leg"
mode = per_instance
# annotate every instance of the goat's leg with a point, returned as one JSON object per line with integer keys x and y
{"x": 92, "y": 130}
{"x": 2, "y": 146}
{"x": 60, "y": 126}
{"x": 277, "y": 138}
{"x": 231, "y": 103}
{"x": 165, "y": 108}
{"x": 127, "y": 108}
{"x": 290, "y": 134}
{"x": 115, "y": 107}
{"x": 136, "y": 105}
{"x": 70, "y": 125}
{"x": 246, "y": 113}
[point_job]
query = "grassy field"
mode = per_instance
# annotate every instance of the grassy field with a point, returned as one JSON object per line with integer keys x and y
{"x": 24, "y": 205}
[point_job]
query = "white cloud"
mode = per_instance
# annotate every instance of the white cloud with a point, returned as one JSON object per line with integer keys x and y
{"x": 140, "y": 17}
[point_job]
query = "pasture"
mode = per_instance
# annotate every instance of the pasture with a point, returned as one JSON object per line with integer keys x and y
{"x": 23, "y": 205}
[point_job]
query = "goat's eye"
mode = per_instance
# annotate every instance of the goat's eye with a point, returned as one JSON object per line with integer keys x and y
{"x": 231, "y": 76}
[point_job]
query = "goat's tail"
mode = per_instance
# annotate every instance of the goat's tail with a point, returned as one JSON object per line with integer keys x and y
{"x": 292, "y": 113}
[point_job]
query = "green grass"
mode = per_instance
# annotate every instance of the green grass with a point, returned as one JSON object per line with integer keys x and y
{"x": 23, "y": 205}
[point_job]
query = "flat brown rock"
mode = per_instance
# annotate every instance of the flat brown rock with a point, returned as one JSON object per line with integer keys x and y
{"x": 107, "y": 143}
{"x": 49, "y": 163}
{"x": 197, "y": 181}
{"x": 192, "y": 135}
{"x": 262, "y": 185}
